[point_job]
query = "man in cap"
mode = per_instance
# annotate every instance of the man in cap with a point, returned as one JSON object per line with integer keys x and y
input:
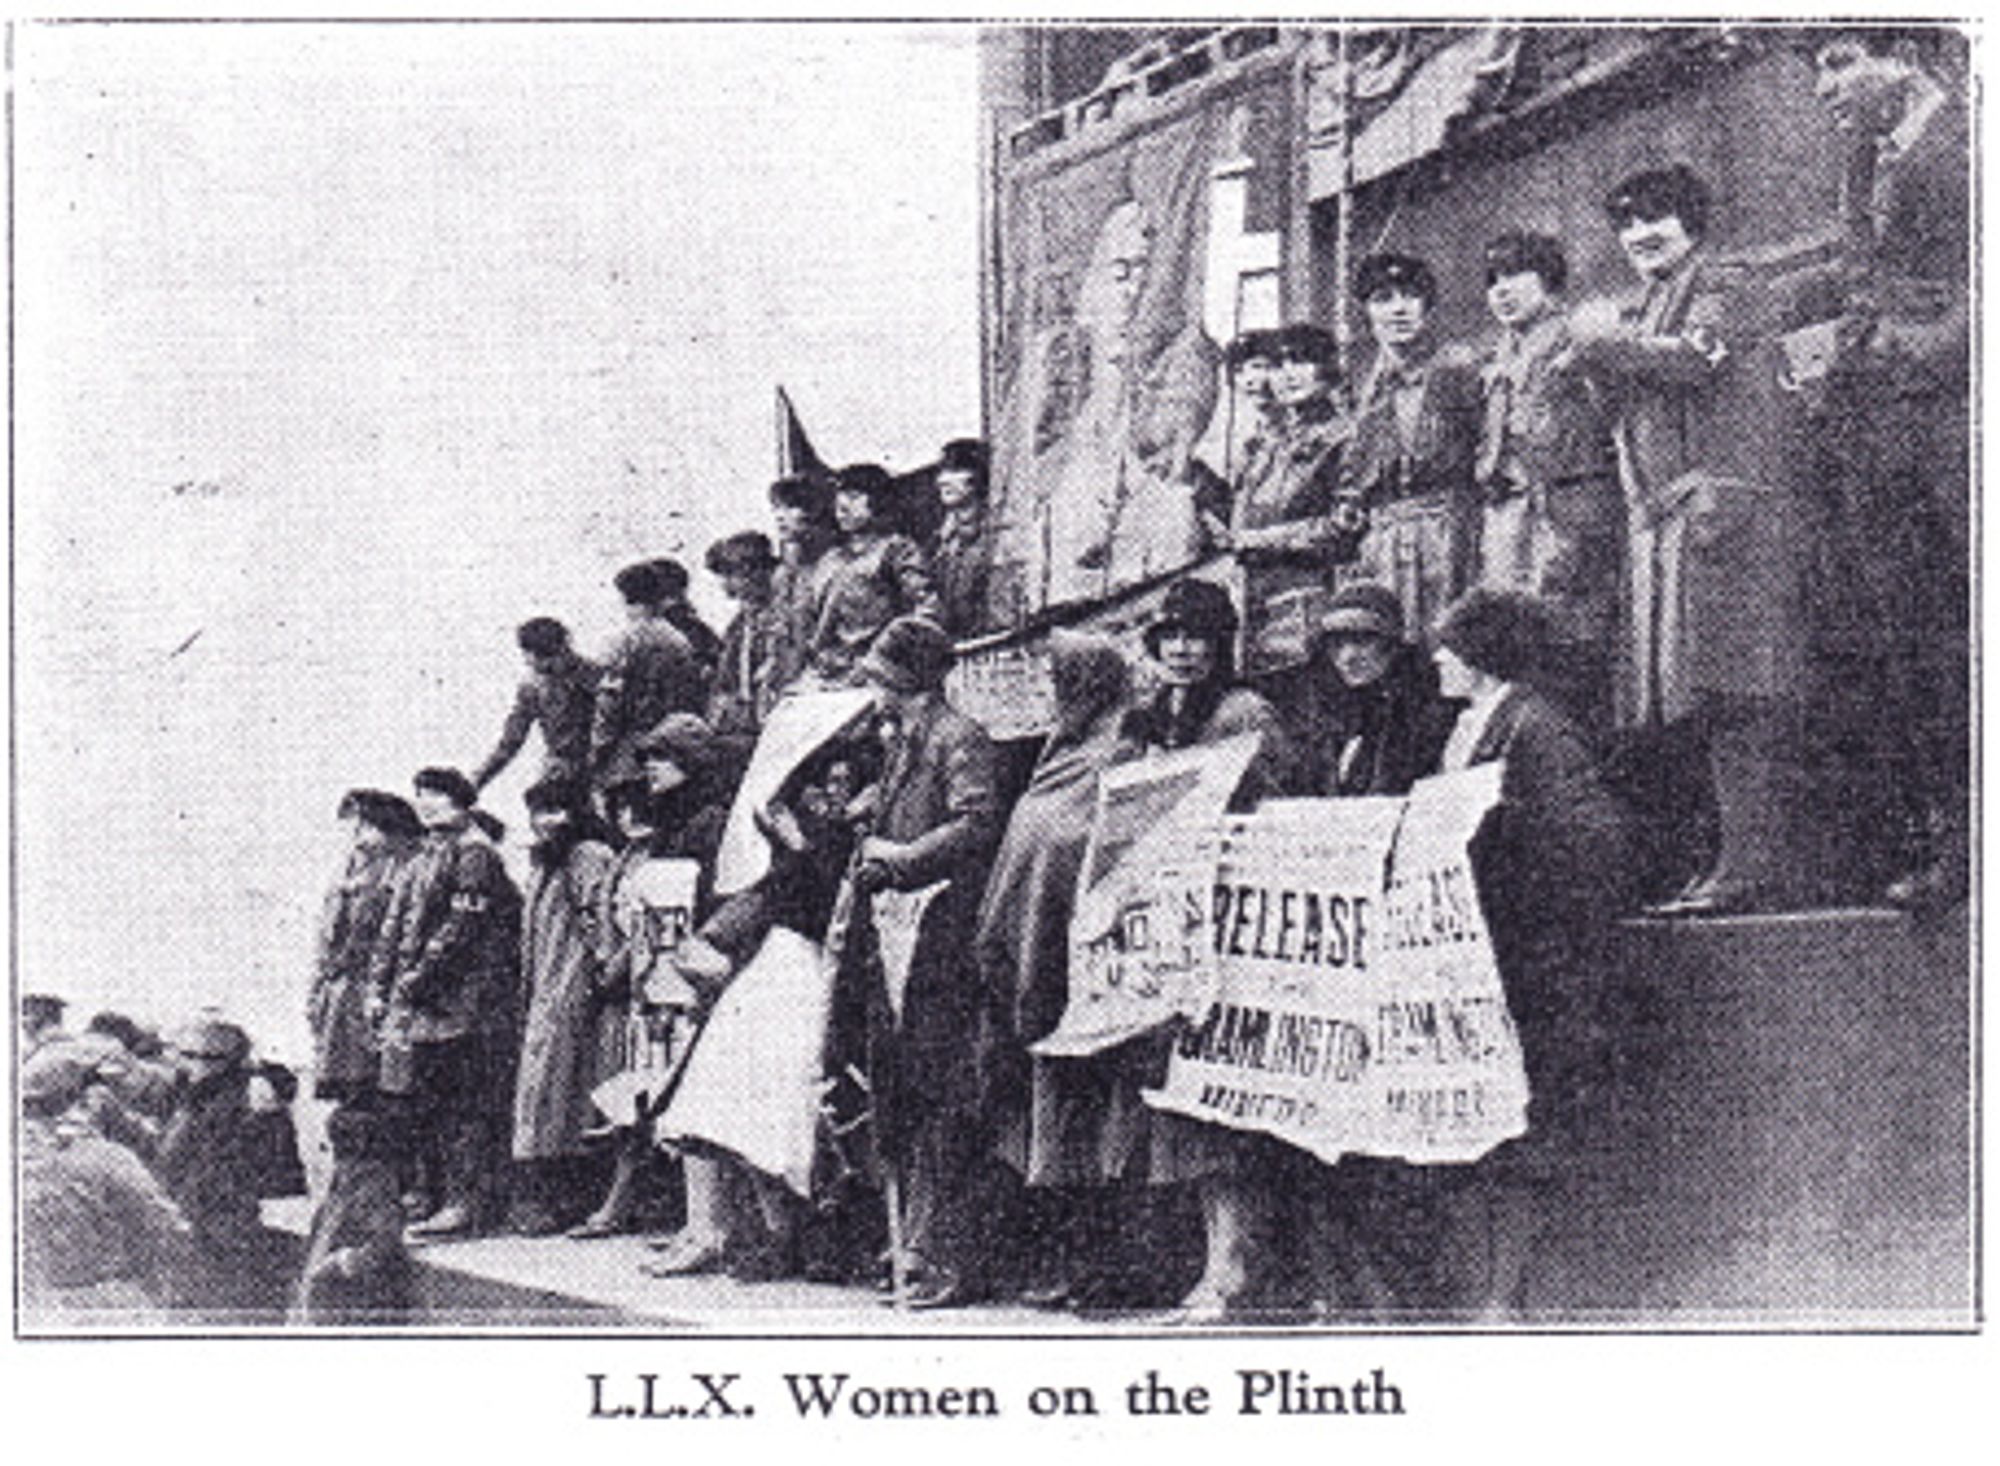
{"x": 1711, "y": 653}
{"x": 41, "y": 1021}
{"x": 447, "y": 987}
{"x": 213, "y": 1160}
{"x": 1551, "y": 522}
{"x": 652, "y": 671}
{"x": 959, "y": 555}
{"x": 1893, "y": 614}
{"x": 558, "y": 696}
{"x": 1408, "y": 469}
{"x": 100, "y": 1238}
{"x": 936, "y": 823}
{"x": 743, "y": 688}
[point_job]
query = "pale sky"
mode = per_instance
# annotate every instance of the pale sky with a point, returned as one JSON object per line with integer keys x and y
{"x": 343, "y": 349}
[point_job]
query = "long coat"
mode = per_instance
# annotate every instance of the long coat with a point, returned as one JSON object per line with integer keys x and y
{"x": 939, "y": 794}
{"x": 1046, "y": 1129}
{"x": 1415, "y": 481}
{"x": 1712, "y": 583}
{"x": 1552, "y": 870}
{"x": 451, "y": 966}
{"x": 563, "y": 1056}
{"x": 1134, "y": 1141}
{"x": 347, "y": 1055}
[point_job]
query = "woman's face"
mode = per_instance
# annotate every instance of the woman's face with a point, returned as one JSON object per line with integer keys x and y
{"x": 853, "y": 512}
{"x": 1296, "y": 381}
{"x": 1397, "y": 316}
{"x": 1186, "y": 659}
{"x": 548, "y": 824}
{"x": 1361, "y": 661}
{"x": 366, "y": 836}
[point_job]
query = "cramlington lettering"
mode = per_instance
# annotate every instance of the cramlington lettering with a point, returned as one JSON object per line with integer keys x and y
{"x": 1440, "y": 1030}
{"x": 1300, "y": 1045}
{"x": 1431, "y": 908}
{"x": 821, "y": 1396}
{"x": 1309, "y": 928}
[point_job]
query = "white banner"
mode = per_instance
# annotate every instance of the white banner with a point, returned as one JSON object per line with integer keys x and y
{"x": 797, "y": 727}
{"x": 1138, "y": 947}
{"x": 1357, "y": 1007}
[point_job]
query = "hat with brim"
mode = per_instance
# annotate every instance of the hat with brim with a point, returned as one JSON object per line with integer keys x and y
{"x": 912, "y": 654}
{"x": 211, "y": 1038}
{"x": 1363, "y": 609}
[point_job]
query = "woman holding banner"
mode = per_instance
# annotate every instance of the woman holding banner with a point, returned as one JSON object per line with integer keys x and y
{"x": 1057, "y": 1125}
{"x": 1552, "y": 870}
{"x": 1192, "y": 643}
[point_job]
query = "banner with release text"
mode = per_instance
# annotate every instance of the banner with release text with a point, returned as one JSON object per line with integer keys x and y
{"x": 1357, "y": 1007}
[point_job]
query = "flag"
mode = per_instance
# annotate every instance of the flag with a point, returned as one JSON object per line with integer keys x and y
{"x": 796, "y": 457}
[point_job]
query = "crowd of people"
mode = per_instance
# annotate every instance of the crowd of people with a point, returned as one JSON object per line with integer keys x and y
{"x": 145, "y": 1160}
{"x": 1571, "y": 553}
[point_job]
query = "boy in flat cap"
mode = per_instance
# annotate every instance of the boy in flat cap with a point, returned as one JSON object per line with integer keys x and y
{"x": 558, "y": 696}
{"x": 744, "y": 687}
{"x": 1711, "y": 650}
{"x": 959, "y": 555}
{"x": 1551, "y": 523}
{"x": 802, "y": 511}
{"x": 1409, "y": 466}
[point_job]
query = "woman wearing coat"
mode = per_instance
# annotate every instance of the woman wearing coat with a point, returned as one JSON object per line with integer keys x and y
{"x": 1199, "y": 701}
{"x": 347, "y": 1057}
{"x": 1552, "y": 869}
{"x": 571, "y": 1039}
{"x": 1053, "y": 1116}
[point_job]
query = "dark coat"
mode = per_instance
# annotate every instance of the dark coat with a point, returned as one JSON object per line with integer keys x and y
{"x": 452, "y": 964}
{"x": 347, "y": 1055}
{"x": 859, "y": 586}
{"x": 561, "y": 704}
{"x": 1553, "y": 872}
{"x": 939, "y": 794}
{"x": 652, "y": 671}
{"x": 1372, "y": 740}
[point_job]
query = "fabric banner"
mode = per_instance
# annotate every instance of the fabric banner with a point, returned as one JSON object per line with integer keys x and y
{"x": 753, "y": 1082}
{"x": 798, "y": 726}
{"x": 1138, "y": 948}
{"x": 899, "y": 917}
{"x": 1106, "y": 371}
{"x": 1357, "y": 1007}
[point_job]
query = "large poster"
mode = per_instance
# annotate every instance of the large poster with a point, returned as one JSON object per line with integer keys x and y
{"x": 1108, "y": 344}
{"x": 1138, "y": 947}
{"x": 1357, "y": 1007}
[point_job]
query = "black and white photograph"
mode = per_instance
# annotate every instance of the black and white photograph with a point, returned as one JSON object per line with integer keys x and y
{"x": 1259, "y": 680}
